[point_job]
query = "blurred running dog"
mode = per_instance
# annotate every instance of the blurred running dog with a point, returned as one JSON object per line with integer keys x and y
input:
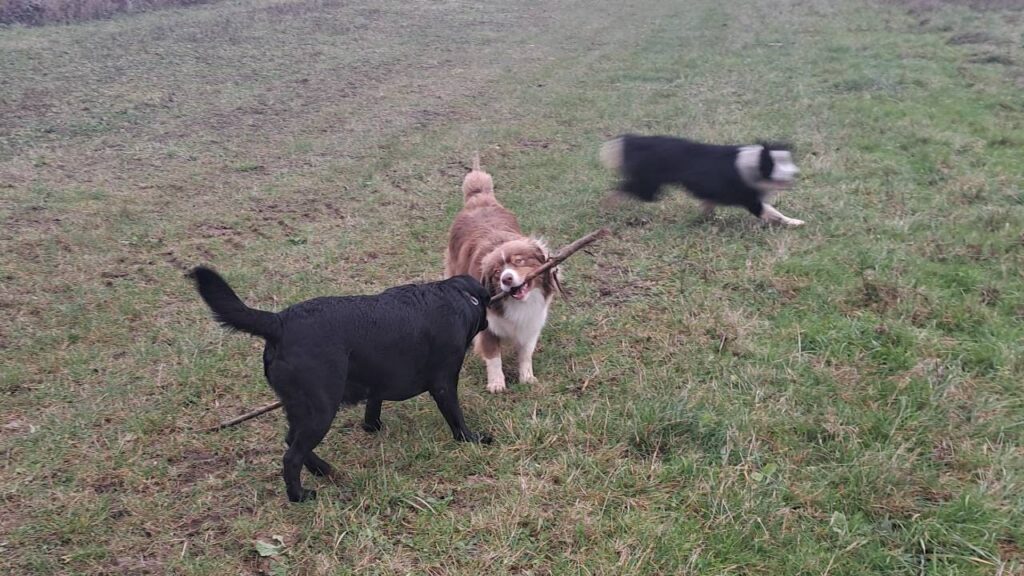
{"x": 747, "y": 176}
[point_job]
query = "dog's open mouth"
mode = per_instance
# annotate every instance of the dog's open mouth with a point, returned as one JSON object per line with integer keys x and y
{"x": 519, "y": 292}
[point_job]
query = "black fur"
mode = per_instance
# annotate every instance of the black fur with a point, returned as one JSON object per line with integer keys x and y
{"x": 326, "y": 352}
{"x": 707, "y": 171}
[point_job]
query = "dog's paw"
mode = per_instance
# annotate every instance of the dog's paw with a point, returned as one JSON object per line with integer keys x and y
{"x": 305, "y": 496}
{"x": 793, "y": 222}
{"x": 477, "y": 438}
{"x": 372, "y": 427}
{"x": 528, "y": 378}
{"x": 496, "y": 386}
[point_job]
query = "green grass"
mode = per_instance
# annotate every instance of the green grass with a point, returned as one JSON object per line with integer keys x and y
{"x": 716, "y": 396}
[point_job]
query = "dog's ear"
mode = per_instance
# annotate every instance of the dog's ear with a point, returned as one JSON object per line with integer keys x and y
{"x": 490, "y": 283}
{"x": 766, "y": 164}
{"x": 540, "y": 251}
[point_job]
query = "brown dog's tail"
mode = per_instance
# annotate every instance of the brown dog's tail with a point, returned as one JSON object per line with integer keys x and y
{"x": 477, "y": 181}
{"x": 228, "y": 308}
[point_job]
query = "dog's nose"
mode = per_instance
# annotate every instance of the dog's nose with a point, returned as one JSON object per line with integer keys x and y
{"x": 507, "y": 277}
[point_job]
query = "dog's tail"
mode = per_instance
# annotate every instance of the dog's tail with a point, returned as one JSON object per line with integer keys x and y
{"x": 611, "y": 154}
{"x": 477, "y": 181}
{"x": 228, "y": 308}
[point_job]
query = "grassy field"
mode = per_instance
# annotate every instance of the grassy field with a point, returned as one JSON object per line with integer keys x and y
{"x": 716, "y": 396}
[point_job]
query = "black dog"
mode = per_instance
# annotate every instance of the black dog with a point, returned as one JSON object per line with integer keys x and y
{"x": 326, "y": 352}
{"x": 746, "y": 176}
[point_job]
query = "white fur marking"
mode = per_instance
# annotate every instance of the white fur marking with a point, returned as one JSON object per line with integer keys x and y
{"x": 748, "y": 164}
{"x": 514, "y": 279}
{"x": 784, "y": 170}
{"x": 770, "y": 214}
{"x": 521, "y": 321}
{"x": 495, "y": 377}
{"x": 611, "y": 154}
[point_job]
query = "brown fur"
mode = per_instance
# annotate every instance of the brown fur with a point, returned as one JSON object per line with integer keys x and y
{"x": 485, "y": 239}
{"x": 486, "y": 236}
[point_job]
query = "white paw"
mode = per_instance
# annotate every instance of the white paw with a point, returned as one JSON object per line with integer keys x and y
{"x": 527, "y": 378}
{"x": 794, "y": 222}
{"x": 496, "y": 386}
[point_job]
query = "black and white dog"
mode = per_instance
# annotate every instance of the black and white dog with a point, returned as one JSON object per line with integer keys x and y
{"x": 747, "y": 176}
{"x": 326, "y": 352}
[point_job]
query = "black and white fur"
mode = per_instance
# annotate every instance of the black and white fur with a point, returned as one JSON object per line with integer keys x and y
{"x": 718, "y": 175}
{"x": 326, "y": 352}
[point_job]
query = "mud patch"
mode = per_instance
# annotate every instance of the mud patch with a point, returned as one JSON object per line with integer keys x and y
{"x": 970, "y": 38}
{"x": 922, "y": 6}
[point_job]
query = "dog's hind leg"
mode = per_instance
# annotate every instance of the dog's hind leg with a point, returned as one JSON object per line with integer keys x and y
{"x": 445, "y": 394}
{"x": 644, "y": 189}
{"x": 310, "y": 408}
{"x": 770, "y": 214}
{"x": 371, "y": 419}
{"x": 707, "y": 209}
{"x": 315, "y": 465}
{"x": 489, "y": 347}
{"x": 306, "y": 431}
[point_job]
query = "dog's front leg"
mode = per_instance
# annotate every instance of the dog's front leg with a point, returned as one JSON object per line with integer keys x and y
{"x": 770, "y": 214}
{"x": 525, "y": 354}
{"x": 489, "y": 347}
{"x": 446, "y": 396}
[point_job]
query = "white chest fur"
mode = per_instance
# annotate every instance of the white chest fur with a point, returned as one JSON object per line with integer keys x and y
{"x": 520, "y": 321}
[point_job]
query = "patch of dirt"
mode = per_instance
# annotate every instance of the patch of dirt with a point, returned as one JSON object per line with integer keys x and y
{"x": 29, "y": 218}
{"x": 873, "y": 294}
{"x": 171, "y": 258}
{"x": 534, "y": 144}
{"x": 970, "y": 38}
{"x": 141, "y": 566}
{"x": 1001, "y": 59}
{"x": 615, "y": 287}
{"x": 989, "y": 295}
{"x": 282, "y": 216}
{"x": 789, "y": 288}
{"x": 1009, "y": 549}
{"x": 194, "y": 465}
{"x": 923, "y": 6}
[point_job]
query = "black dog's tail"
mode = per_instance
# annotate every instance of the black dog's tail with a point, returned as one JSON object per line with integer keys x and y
{"x": 228, "y": 308}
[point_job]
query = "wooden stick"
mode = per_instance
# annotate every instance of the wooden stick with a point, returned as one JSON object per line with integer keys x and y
{"x": 244, "y": 417}
{"x": 557, "y": 259}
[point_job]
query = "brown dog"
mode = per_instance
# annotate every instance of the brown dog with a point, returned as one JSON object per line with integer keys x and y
{"x": 485, "y": 242}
